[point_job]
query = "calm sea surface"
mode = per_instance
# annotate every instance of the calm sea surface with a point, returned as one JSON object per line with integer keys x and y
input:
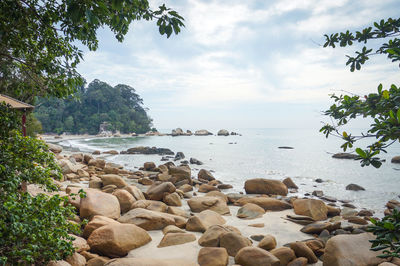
{"x": 255, "y": 154}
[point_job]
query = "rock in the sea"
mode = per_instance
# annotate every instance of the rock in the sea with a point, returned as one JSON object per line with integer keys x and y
{"x": 148, "y": 150}
{"x": 157, "y": 192}
{"x": 268, "y": 243}
{"x": 344, "y": 155}
{"x": 205, "y": 175}
{"x": 233, "y": 242}
{"x": 213, "y": 256}
{"x": 265, "y": 186}
{"x": 149, "y": 166}
{"x": 202, "y": 132}
{"x": 354, "y": 187}
{"x": 149, "y": 262}
{"x": 253, "y": 256}
{"x": 395, "y": 159}
{"x": 203, "y": 220}
{"x": 99, "y": 203}
{"x": 289, "y": 183}
{"x": 351, "y": 250}
{"x": 285, "y": 147}
{"x": 115, "y": 240}
{"x": 195, "y": 161}
{"x": 302, "y": 250}
{"x": 172, "y": 239}
{"x": 198, "y": 204}
{"x": 313, "y": 208}
{"x": 179, "y": 156}
{"x": 151, "y": 220}
{"x": 250, "y": 211}
{"x": 223, "y": 132}
{"x": 284, "y": 254}
{"x": 268, "y": 204}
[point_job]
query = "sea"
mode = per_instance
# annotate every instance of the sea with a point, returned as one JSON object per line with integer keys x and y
{"x": 255, "y": 153}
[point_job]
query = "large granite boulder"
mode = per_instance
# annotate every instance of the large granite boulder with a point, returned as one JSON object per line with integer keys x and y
{"x": 284, "y": 254}
{"x": 112, "y": 179}
{"x": 351, "y": 250}
{"x": 202, "y": 132}
{"x": 96, "y": 222}
{"x": 205, "y": 175}
{"x": 250, "y": 211}
{"x": 211, "y": 236}
{"x": 223, "y": 132}
{"x": 253, "y": 256}
{"x": 152, "y": 205}
{"x": 116, "y": 240}
{"x": 125, "y": 199}
{"x": 135, "y": 192}
{"x": 180, "y": 173}
{"x": 233, "y": 242}
{"x": 213, "y": 256}
{"x": 313, "y": 208}
{"x": 268, "y": 243}
{"x": 99, "y": 203}
{"x": 268, "y": 204}
{"x": 265, "y": 186}
{"x": 302, "y": 250}
{"x": 203, "y": 220}
{"x": 54, "y": 148}
{"x": 172, "y": 239}
{"x": 151, "y": 220}
{"x": 157, "y": 192}
{"x": 198, "y": 204}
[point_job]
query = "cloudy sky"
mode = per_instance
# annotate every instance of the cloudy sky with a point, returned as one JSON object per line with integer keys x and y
{"x": 243, "y": 64}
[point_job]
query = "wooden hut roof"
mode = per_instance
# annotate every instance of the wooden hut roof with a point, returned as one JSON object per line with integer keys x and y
{"x": 15, "y": 103}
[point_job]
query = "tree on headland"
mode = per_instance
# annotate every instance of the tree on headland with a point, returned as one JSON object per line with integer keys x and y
{"x": 38, "y": 57}
{"x": 383, "y": 106}
{"x": 99, "y": 102}
{"x": 39, "y": 40}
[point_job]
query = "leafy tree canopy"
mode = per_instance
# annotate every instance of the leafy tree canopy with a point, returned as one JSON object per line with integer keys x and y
{"x": 383, "y": 106}
{"x": 38, "y": 39}
{"x": 33, "y": 230}
{"x": 99, "y": 102}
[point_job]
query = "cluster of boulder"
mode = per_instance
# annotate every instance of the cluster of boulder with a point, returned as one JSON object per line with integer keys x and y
{"x": 202, "y": 132}
{"x": 122, "y": 206}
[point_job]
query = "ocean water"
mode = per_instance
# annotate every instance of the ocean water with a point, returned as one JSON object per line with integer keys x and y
{"x": 255, "y": 154}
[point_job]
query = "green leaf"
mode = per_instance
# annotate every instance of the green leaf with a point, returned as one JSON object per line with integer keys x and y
{"x": 385, "y": 94}
{"x": 361, "y": 153}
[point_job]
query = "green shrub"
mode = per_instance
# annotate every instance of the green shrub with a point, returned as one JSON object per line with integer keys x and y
{"x": 33, "y": 229}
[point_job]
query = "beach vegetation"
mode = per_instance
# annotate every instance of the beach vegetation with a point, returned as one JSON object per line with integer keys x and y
{"x": 33, "y": 229}
{"x": 381, "y": 106}
{"x": 120, "y": 106}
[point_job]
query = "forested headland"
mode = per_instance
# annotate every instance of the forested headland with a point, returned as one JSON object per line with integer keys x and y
{"x": 99, "y": 102}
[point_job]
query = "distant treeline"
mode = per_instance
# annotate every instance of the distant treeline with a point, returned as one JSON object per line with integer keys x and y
{"x": 99, "y": 102}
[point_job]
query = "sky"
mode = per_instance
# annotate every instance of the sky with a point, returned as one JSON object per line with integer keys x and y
{"x": 243, "y": 64}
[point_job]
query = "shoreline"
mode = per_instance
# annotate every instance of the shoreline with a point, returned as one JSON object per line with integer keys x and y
{"x": 275, "y": 222}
